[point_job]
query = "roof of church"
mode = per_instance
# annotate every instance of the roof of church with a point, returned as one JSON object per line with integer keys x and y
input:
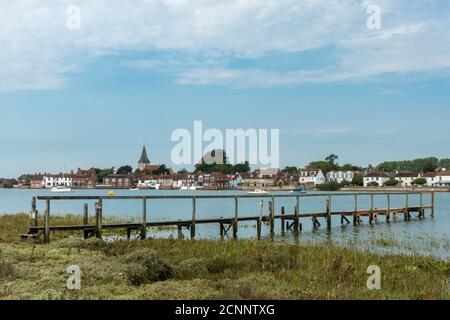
{"x": 144, "y": 158}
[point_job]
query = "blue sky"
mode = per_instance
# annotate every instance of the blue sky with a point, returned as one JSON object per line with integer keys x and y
{"x": 94, "y": 96}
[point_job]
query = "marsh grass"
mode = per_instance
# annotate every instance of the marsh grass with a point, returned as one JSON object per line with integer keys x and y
{"x": 207, "y": 269}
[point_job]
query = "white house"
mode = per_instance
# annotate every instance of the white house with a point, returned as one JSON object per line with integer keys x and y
{"x": 406, "y": 178}
{"x": 375, "y": 177}
{"x": 311, "y": 177}
{"x": 51, "y": 181}
{"x": 340, "y": 176}
{"x": 438, "y": 179}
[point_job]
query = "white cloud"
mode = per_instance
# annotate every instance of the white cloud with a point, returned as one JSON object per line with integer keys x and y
{"x": 39, "y": 52}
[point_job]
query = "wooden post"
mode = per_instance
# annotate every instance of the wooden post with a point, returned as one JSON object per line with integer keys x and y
{"x": 388, "y": 215}
{"x": 272, "y": 215}
{"x": 221, "y": 230}
{"x": 47, "y": 222}
{"x": 98, "y": 219}
{"x": 355, "y": 213}
{"x": 85, "y": 220}
{"x": 180, "y": 232}
{"x": 193, "y": 218}
{"x": 407, "y": 207}
{"x": 297, "y": 214}
{"x": 236, "y": 214}
{"x": 144, "y": 219}
{"x": 259, "y": 222}
{"x": 432, "y": 204}
{"x": 371, "y": 208}
{"x": 421, "y": 210}
{"x": 329, "y": 213}
{"x": 282, "y": 220}
{"x": 34, "y": 221}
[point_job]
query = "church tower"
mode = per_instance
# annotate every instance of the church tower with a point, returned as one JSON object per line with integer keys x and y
{"x": 143, "y": 161}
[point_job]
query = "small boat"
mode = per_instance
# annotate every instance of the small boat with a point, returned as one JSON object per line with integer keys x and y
{"x": 258, "y": 191}
{"x": 61, "y": 189}
{"x": 299, "y": 190}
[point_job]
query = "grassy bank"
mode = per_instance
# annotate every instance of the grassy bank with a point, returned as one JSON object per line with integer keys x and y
{"x": 172, "y": 269}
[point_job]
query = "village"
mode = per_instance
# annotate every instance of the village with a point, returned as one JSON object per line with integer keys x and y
{"x": 152, "y": 176}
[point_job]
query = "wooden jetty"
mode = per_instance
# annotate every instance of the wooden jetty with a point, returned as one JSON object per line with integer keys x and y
{"x": 289, "y": 221}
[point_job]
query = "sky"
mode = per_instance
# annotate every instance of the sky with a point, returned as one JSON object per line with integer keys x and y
{"x": 132, "y": 72}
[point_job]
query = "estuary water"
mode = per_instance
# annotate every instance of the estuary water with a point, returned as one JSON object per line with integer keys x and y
{"x": 427, "y": 237}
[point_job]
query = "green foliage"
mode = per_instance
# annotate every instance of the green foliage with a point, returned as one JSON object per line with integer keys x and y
{"x": 182, "y": 171}
{"x": 145, "y": 266}
{"x": 325, "y": 166}
{"x": 444, "y": 163}
{"x": 290, "y": 170}
{"x": 417, "y": 165}
{"x": 103, "y": 173}
{"x": 373, "y": 184}
{"x": 208, "y": 165}
{"x": 329, "y": 186}
{"x": 191, "y": 268}
{"x": 420, "y": 181}
{"x": 358, "y": 180}
{"x": 332, "y": 158}
{"x": 391, "y": 183}
{"x": 6, "y": 270}
{"x": 125, "y": 170}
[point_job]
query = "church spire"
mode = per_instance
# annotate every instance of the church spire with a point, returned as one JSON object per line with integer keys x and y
{"x": 144, "y": 158}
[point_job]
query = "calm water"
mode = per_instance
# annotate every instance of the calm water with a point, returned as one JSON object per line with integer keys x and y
{"x": 429, "y": 236}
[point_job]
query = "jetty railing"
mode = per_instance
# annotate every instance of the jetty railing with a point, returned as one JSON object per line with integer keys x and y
{"x": 288, "y": 221}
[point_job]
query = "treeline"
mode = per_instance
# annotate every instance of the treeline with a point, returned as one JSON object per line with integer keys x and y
{"x": 416, "y": 165}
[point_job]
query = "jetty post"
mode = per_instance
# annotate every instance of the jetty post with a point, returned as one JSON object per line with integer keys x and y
{"x": 259, "y": 221}
{"x": 355, "y": 213}
{"x": 99, "y": 219}
{"x": 47, "y": 222}
{"x": 297, "y": 214}
{"x": 272, "y": 217}
{"x": 236, "y": 217}
{"x": 388, "y": 213}
{"x": 85, "y": 220}
{"x": 432, "y": 204}
{"x": 329, "y": 213}
{"x": 194, "y": 208}
{"x": 34, "y": 218}
{"x": 283, "y": 219}
{"x": 144, "y": 219}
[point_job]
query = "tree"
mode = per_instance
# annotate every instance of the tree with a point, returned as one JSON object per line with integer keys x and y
{"x": 241, "y": 167}
{"x": 330, "y": 186}
{"x": 391, "y": 183}
{"x": 420, "y": 181}
{"x": 358, "y": 180}
{"x": 332, "y": 158}
{"x": 290, "y": 170}
{"x": 183, "y": 171}
{"x": 325, "y": 166}
{"x": 103, "y": 173}
{"x": 125, "y": 170}
{"x": 444, "y": 163}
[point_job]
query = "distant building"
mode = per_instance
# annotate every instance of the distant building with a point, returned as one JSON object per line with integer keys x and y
{"x": 406, "y": 179}
{"x": 144, "y": 163}
{"x": 36, "y": 181}
{"x": 119, "y": 181}
{"x": 53, "y": 180}
{"x": 376, "y": 177}
{"x": 311, "y": 177}
{"x": 441, "y": 179}
{"x": 84, "y": 178}
{"x": 340, "y": 176}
